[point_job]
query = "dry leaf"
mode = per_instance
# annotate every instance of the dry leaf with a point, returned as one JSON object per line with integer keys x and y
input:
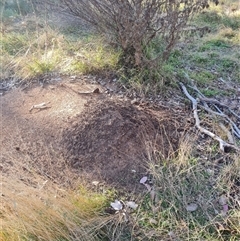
{"x": 155, "y": 209}
{"x": 131, "y": 204}
{"x": 117, "y": 205}
{"x": 95, "y": 183}
{"x": 143, "y": 180}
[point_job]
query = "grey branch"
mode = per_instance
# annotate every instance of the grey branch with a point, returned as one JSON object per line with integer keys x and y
{"x": 222, "y": 143}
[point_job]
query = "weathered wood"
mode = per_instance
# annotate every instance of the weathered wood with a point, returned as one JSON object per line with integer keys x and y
{"x": 222, "y": 144}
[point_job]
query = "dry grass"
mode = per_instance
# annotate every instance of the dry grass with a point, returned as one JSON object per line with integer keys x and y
{"x": 185, "y": 180}
{"x": 30, "y": 53}
{"x": 47, "y": 214}
{"x": 52, "y": 213}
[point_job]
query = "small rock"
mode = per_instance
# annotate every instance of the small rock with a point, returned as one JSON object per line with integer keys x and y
{"x": 153, "y": 221}
{"x": 222, "y": 200}
{"x": 192, "y": 207}
{"x": 210, "y": 171}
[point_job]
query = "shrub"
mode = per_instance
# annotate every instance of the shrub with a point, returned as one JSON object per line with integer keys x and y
{"x": 135, "y": 25}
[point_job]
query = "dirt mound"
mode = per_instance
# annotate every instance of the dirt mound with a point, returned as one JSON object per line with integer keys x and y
{"x": 81, "y": 134}
{"x": 112, "y": 140}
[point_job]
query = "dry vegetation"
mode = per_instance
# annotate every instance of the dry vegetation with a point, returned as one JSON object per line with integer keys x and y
{"x": 135, "y": 25}
{"x": 40, "y": 214}
{"x": 33, "y": 46}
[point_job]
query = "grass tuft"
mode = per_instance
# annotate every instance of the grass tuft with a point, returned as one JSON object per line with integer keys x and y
{"x": 75, "y": 215}
{"x": 28, "y": 55}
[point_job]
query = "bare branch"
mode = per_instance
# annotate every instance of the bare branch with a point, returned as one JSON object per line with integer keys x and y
{"x": 222, "y": 143}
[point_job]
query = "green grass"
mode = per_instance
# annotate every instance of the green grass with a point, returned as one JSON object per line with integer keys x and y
{"x": 213, "y": 19}
{"x": 211, "y": 92}
{"x": 70, "y": 50}
{"x": 13, "y": 43}
{"x": 215, "y": 55}
{"x": 210, "y": 57}
{"x": 225, "y": 14}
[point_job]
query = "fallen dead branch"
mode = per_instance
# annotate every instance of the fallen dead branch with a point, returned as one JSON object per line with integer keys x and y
{"x": 195, "y": 103}
{"x": 213, "y": 101}
{"x": 40, "y": 106}
{"x": 95, "y": 91}
{"x": 229, "y": 134}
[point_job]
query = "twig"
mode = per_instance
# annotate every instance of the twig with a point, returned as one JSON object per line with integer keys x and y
{"x": 95, "y": 91}
{"x": 222, "y": 143}
{"x": 209, "y": 100}
{"x": 204, "y": 99}
{"x": 3, "y": 88}
{"x": 40, "y": 106}
{"x": 220, "y": 113}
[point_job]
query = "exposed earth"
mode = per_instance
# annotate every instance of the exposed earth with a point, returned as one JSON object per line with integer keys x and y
{"x": 98, "y": 136}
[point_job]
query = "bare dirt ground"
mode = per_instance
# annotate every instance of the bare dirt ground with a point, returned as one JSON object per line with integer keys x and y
{"x": 81, "y": 134}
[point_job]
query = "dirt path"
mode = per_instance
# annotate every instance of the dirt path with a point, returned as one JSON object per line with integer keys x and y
{"x": 81, "y": 134}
